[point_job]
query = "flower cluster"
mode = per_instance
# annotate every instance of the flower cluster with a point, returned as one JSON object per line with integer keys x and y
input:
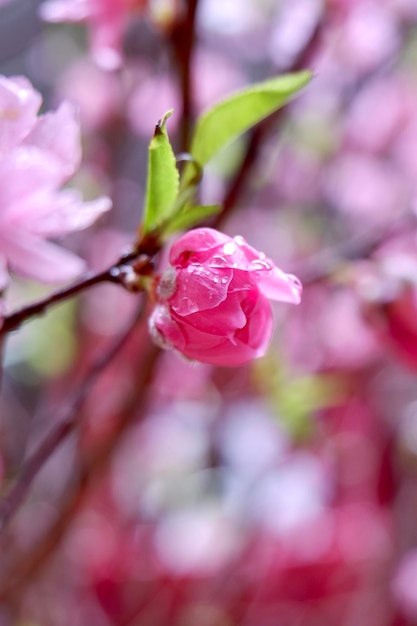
{"x": 212, "y": 304}
{"x": 37, "y": 156}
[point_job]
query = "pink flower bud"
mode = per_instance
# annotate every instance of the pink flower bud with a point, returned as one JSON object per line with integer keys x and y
{"x": 212, "y": 305}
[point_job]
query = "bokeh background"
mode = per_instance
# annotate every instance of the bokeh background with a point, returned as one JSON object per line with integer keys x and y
{"x": 282, "y": 493}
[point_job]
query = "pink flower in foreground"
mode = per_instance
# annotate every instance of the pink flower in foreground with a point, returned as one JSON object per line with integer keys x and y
{"x": 107, "y": 19}
{"x": 212, "y": 305}
{"x": 37, "y": 156}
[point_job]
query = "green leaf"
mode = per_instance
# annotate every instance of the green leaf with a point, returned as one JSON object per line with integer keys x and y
{"x": 163, "y": 178}
{"x": 231, "y": 117}
{"x": 190, "y": 216}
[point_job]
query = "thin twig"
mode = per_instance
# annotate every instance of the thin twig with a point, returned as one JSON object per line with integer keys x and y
{"x": 322, "y": 265}
{"x": 92, "y": 467}
{"x": 66, "y": 424}
{"x": 258, "y": 134}
{"x": 14, "y": 320}
{"x": 183, "y": 39}
{"x": 147, "y": 247}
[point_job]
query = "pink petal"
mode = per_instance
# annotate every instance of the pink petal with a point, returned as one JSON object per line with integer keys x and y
{"x": 194, "y": 243}
{"x": 225, "y": 320}
{"x": 4, "y": 274}
{"x": 19, "y": 104}
{"x": 65, "y": 212}
{"x": 106, "y": 39}
{"x": 164, "y": 329}
{"x": 257, "y": 333}
{"x": 200, "y": 288}
{"x": 280, "y": 286}
{"x": 23, "y": 173}
{"x": 40, "y": 260}
{"x": 197, "y": 344}
{"x": 66, "y": 10}
{"x": 58, "y": 133}
{"x": 215, "y": 350}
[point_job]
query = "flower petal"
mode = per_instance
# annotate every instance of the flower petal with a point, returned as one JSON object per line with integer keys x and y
{"x": 228, "y": 317}
{"x": 280, "y": 286}
{"x": 24, "y": 172}
{"x": 200, "y": 288}
{"x": 65, "y": 212}
{"x": 66, "y": 10}
{"x": 37, "y": 259}
{"x": 164, "y": 330}
{"x": 19, "y": 104}
{"x": 58, "y": 134}
{"x": 4, "y": 274}
{"x": 191, "y": 246}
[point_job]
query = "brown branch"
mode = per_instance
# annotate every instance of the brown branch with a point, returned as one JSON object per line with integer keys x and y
{"x": 327, "y": 262}
{"x": 258, "y": 134}
{"x": 14, "y": 320}
{"x": 147, "y": 247}
{"x": 183, "y": 39}
{"x": 67, "y": 423}
{"x": 92, "y": 467}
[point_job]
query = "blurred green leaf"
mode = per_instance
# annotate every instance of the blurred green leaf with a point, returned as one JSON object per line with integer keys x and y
{"x": 298, "y": 400}
{"x": 163, "y": 178}
{"x": 35, "y": 345}
{"x": 191, "y": 216}
{"x": 295, "y": 399}
{"x": 233, "y": 116}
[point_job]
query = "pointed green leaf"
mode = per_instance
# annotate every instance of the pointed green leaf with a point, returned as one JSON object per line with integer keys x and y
{"x": 190, "y": 217}
{"x": 163, "y": 178}
{"x": 231, "y": 117}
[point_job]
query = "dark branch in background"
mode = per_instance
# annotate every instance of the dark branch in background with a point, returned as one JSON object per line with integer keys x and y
{"x": 182, "y": 40}
{"x": 68, "y": 421}
{"x": 261, "y": 131}
{"x": 144, "y": 251}
{"x": 327, "y": 262}
{"x": 134, "y": 409}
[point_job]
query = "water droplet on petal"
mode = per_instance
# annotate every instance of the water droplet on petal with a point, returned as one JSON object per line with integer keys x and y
{"x": 224, "y": 280}
{"x": 239, "y": 240}
{"x": 260, "y": 265}
{"x": 219, "y": 260}
{"x": 216, "y": 280}
{"x": 229, "y": 248}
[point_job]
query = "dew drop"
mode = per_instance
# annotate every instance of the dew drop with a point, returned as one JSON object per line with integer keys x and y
{"x": 229, "y": 248}
{"x": 260, "y": 265}
{"x": 219, "y": 260}
{"x": 216, "y": 280}
{"x": 224, "y": 280}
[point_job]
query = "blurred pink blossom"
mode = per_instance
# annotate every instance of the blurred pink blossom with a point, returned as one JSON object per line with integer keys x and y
{"x": 107, "y": 19}
{"x": 96, "y": 92}
{"x": 370, "y": 34}
{"x": 365, "y": 187}
{"x": 389, "y": 103}
{"x": 38, "y": 155}
{"x": 212, "y": 305}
